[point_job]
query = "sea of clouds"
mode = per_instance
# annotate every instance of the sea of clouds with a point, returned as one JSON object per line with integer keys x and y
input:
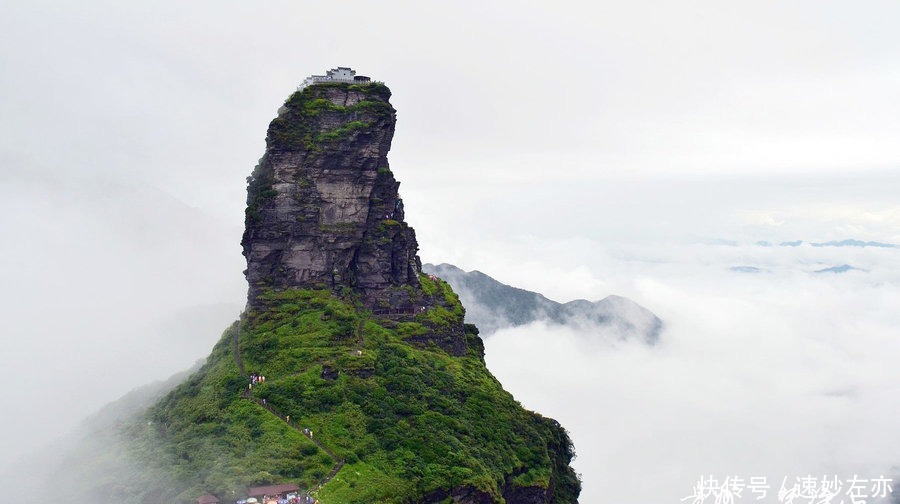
{"x": 783, "y": 373}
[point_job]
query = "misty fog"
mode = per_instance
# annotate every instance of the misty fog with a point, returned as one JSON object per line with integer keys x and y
{"x": 577, "y": 150}
{"x": 784, "y": 373}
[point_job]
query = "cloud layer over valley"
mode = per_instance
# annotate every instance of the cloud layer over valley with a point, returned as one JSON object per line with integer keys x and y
{"x": 574, "y": 149}
{"x": 779, "y": 374}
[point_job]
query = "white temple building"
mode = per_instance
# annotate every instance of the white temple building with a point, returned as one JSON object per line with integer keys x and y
{"x": 339, "y": 74}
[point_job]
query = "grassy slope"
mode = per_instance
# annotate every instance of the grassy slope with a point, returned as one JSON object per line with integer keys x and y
{"x": 406, "y": 420}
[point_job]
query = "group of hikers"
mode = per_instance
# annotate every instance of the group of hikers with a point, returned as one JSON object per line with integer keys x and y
{"x": 291, "y": 498}
{"x": 255, "y": 378}
{"x": 299, "y": 499}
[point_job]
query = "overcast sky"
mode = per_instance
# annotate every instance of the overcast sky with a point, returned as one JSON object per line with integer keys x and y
{"x": 557, "y": 146}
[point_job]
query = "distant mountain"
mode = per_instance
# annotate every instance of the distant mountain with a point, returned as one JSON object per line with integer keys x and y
{"x": 492, "y": 305}
{"x": 854, "y": 243}
{"x": 833, "y": 243}
{"x": 839, "y": 269}
{"x": 745, "y": 269}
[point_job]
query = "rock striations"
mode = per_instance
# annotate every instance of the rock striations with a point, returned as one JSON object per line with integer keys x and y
{"x": 324, "y": 212}
{"x": 356, "y": 346}
{"x": 322, "y": 206}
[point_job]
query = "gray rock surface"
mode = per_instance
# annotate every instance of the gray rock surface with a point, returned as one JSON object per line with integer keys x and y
{"x": 324, "y": 212}
{"x": 323, "y": 209}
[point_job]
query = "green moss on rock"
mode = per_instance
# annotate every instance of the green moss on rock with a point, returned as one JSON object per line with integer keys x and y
{"x": 297, "y": 126}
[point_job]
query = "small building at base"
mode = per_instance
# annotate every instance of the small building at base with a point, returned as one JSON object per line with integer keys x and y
{"x": 207, "y": 499}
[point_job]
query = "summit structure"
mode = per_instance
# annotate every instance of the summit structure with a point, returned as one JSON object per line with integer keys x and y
{"x": 323, "y": 209}
{"x": 339, "y": 74}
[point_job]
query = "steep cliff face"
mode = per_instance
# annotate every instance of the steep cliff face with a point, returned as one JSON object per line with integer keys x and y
{"x": 323, "y": 209}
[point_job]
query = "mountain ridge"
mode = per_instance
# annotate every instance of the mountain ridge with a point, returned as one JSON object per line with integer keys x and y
{"x": 493, "y": 305}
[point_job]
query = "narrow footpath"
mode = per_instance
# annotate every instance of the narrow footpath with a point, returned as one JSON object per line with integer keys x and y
{"x": 247, "y": 394}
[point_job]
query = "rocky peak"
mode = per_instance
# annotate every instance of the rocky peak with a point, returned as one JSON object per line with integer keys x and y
{"x": 323, "y": 210}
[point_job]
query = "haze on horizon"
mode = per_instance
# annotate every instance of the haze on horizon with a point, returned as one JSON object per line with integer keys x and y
{"x": 577, "y": 150}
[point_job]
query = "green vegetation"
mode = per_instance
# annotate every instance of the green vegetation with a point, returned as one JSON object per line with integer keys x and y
{"x": 441, "y": 288}
{"x": 201, "y": 436}
{"x": 341, "y": 132}
{"x": 373, "y": 89}
{"x": 300, "y": 125}
{"x": 407, "y": 420}
{"x": 361, "y": 482}
{"x": 260, "y": 188}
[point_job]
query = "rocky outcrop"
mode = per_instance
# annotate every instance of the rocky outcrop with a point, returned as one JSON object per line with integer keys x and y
{"x": 323, "y": 210}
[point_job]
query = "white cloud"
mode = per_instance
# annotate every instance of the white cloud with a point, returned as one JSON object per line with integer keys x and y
{"x": 105, "y": 287}
{"x": 577, "y": 149}
{"x": 783, "y": 374}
